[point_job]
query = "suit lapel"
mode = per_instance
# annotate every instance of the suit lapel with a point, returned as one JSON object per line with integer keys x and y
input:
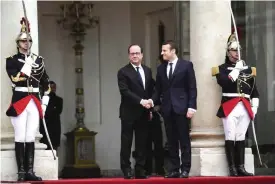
{"x": 175, "y": 70}
{"x": 146, "y": 73}
{"x": 135, "y": 74}
{"x": 165, "y": 72}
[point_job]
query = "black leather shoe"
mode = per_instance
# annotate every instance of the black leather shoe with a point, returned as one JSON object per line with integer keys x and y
{"x": 128, "y": 174}
{"x": 240, "y": 153}
{"x": 242, "y": 172}
{"x": 141, "y": 174}
{"x": 21, "y": 176}
{"x": 173, "y": 174}
{"x": 184, "y": 174}
{"x": 160, "y": 172}
{"x": 30, "y": 176}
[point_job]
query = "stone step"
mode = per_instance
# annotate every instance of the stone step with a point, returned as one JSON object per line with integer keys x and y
{"x": 265, "y": 171}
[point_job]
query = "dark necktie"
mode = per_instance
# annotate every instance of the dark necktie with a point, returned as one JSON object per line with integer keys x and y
{"x": 139, "y": 76}
{"x": 170, "y": 71}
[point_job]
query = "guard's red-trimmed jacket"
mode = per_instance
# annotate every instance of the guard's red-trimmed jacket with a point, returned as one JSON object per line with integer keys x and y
{"x": 39, "y": 77}
{"x": 243, "y": 89}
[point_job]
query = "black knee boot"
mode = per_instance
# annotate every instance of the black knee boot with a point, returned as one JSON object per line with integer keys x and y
{"x": 29, "y": 160}
{"x": 230, "y": 153}
{"x": 240, "y": 151}
{"x": 19, "y": 154}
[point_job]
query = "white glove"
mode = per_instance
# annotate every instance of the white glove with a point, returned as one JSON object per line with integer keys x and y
{"x": 254, "y": 109}
{"x": 255, "y": 102}
{"x": 44, "y": 107}
{"x": 29, "y": 60}
{"x": 239, "y": 65}
{"x": 254, "y": 105}
{"x": 45, "y": 100}
{"x": 234, "y": 74}
{"x": 27, "y": 68}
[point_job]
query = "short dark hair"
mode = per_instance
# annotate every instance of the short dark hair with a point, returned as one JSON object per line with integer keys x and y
{"x": 141, "y": 49}
{"x": 52, "y": 82}
{"x": 172, "y": 44}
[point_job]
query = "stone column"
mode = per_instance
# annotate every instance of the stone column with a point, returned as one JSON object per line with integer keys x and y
{"x": 182, "y": 34}
{"x": 210, "y": 26}
{"x": 11, "y": 14}
{"x": 10, "y": 26}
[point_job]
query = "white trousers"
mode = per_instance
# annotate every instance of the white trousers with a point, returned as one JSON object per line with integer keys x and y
{"x": 236, "y": 123}
{"x": 26, "y": 124}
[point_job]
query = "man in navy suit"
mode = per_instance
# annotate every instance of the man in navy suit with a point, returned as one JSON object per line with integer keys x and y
{"x": 176, "y": 82}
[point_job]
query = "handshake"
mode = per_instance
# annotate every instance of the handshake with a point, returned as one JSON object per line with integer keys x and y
{"x": 147, "y": 103}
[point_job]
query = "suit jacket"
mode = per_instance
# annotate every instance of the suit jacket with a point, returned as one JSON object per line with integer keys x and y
{"x": 179, "y": 93}
{"x": 132, "y": 92}
{"x": 52, "y": 118}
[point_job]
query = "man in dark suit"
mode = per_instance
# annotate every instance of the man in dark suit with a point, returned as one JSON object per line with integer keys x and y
{"x": 176, "y": 82}
{"x": 135, "y": 85}
{"x": 155, "y": 137}
{"x": 155, "y": 156}
{"x": 52, "y": 119}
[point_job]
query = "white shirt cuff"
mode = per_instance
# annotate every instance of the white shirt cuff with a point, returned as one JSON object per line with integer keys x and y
{"x": 255, "y": 102}
{"x": 191, "y": 109}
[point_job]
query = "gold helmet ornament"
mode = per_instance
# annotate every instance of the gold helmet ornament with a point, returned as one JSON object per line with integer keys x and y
{"x": 24, "y": 33}
{"x": 232, "y": 42}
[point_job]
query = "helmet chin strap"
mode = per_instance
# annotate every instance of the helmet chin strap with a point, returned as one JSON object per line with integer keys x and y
{"x": 231, "y": 56}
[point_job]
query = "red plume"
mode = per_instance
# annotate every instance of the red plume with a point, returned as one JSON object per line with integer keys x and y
{"x": 25, "y": 21}
{"x": 238, "y": 31}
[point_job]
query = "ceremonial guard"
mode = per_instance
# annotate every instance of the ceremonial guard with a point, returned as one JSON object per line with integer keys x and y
{"x": 26, "y": 71}
{"x": 239, "y": 104}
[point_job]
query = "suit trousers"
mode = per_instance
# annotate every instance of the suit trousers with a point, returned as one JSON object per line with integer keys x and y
{"x": 26, "y": 124}
{"x": 140, "y": 128}
{"x": 155, "y": 137}
{"x": 178, "y": 137}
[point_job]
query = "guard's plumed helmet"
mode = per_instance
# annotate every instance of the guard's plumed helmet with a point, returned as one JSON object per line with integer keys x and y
{"x": 232, "y": 43}
{"x": 23, "y": 35}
